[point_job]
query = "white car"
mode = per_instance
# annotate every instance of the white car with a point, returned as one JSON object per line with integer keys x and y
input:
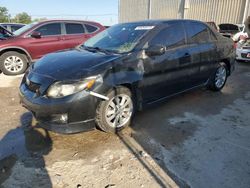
{"x": 243, "y": 52}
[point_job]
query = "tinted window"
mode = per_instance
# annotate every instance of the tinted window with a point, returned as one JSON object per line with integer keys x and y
{"x": 91, "y": 28}
{"x": 50, "y": 29}
{"x": 74, "y": 28}
{"x": 228, "y": 27}
{"x": 171, "y": 36}
{"x": 15, "y": 27}
{"x": 197, "y": 32}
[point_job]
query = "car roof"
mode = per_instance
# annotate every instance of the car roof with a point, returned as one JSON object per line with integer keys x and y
{"x": 162, "y": 21}
{"x": 12, "y": 24}
{"x": 66, "y": 20}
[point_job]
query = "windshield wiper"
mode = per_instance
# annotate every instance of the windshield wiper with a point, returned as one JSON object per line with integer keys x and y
{"x": 95, "y": 49}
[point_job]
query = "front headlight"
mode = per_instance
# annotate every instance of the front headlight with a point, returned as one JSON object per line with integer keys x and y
{"x": 62, "y": 89}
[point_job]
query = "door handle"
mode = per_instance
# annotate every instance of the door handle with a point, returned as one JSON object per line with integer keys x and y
{"x": 186, "y": 58}
{"x": 186, "y": 55}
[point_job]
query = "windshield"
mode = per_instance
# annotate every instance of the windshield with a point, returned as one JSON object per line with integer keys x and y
{"x": 120, "y": 38}
{"x": 24, "y": 29}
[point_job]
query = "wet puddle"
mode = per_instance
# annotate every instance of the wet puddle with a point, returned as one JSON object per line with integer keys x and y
{"x": 24, "y": 140}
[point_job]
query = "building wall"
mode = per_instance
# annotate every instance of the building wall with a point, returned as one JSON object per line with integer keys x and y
{"x": 133, "y": 10}
{"x": 159, "y": 7}
{"x": 220, "y": 11}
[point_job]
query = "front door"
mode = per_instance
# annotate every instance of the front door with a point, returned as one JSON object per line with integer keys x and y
{"x": 50, "y": 40}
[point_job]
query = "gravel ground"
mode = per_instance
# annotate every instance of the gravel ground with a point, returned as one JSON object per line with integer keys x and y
{"x": 198, "y": 139}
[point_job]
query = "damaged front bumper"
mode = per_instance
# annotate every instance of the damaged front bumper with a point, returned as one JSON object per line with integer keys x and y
{"x": 70, "y": 114}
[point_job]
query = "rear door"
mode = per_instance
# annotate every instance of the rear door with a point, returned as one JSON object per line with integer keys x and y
{"x": 50, "y": 40}
{"x": 74, "y": 34}
{"x": 203, "y": 50}
{"x": 169, "y": 73}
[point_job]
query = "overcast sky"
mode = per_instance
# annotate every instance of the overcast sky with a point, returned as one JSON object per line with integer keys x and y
{"x": 103, "y": 11}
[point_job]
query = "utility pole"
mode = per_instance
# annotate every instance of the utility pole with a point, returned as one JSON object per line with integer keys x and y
{"x": 9, "y": 18}
{"x": 246, "y": 11}
{"x": 181, "y": 9}
{"x": 149, "y": 9}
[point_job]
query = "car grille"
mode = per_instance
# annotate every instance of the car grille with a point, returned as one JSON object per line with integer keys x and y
{"x": 243, "y": 55}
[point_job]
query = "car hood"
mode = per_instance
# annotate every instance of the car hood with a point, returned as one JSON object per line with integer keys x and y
{"x": 71, "y": 64}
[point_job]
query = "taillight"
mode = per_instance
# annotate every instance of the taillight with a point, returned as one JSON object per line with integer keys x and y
{"x": 235, "y": 45}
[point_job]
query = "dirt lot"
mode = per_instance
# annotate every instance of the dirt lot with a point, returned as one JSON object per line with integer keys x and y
{"x": 198, "y": 139}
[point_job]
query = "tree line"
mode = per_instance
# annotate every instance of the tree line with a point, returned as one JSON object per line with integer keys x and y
{"x": 22, "y": 17}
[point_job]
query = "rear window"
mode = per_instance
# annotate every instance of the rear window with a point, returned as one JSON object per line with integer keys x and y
{"x": 50, "y": 29}
{"x": 74, "y": 28}
{"x": 91, "y": 28}
{"x": 228, "y": 27}
{"x": 197, "y": 32}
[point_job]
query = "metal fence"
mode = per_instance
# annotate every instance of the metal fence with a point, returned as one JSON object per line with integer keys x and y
{"x": 220, "y": 11}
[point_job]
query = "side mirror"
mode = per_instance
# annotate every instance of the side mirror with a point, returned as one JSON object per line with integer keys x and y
{"x": 36, "y": 35}
{"x": 155, "y": 50}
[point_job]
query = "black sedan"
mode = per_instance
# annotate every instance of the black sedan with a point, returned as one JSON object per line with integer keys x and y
{"x": 123, "y": 69}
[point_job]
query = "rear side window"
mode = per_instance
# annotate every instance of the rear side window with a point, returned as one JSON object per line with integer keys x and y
{"x": 91, "y": 28}
{"x": 74, "y": 28}
{"x": 197, "y": 32}
{"x": 171, "y": 36}
{"x": 50, "y": 29}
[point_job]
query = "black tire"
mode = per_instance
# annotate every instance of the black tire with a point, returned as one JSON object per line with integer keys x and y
{"x": 100, "y": 119}
{"x": 23, "y": 59}
{"x": 213, "y": 86}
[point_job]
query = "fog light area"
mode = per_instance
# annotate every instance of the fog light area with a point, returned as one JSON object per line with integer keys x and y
{"x": 59, "y": 118}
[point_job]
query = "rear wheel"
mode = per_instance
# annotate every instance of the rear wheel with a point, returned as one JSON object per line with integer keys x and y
{"x": 115, "y": 114}
{"x": 13, "y": 63}
{"x": 220, "y": 77}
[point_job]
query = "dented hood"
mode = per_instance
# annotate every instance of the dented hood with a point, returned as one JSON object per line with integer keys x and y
{"x": 71, "y": 64}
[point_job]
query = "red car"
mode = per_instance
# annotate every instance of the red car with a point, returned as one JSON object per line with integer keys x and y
{"x": 32, "y": 41}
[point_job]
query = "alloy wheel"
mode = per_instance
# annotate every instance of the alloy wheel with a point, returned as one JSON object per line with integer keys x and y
{"x": 220, "y": 78}
{"x": 119, "y": 111}
{"x": 13, "y": 64}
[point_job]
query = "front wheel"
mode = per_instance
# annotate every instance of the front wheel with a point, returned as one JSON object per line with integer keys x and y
{"x": 219, "y": 78}
{"x": 115, "y": 114}
{"x": 13, "y": 63}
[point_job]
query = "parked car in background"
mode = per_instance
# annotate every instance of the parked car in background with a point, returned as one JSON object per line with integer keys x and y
{"x": 32, "y": 41}
{"x": 4, "y": 33}
{"x": 12, "y": 26}
{"x": 229, "y": 30}
{"x": 123, "y": 69}
{"x": 243, "y": 51}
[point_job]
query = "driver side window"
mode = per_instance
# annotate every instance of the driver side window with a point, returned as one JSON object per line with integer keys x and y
{"x": 171, "y": 36}
{"x": 50, "y": 29}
